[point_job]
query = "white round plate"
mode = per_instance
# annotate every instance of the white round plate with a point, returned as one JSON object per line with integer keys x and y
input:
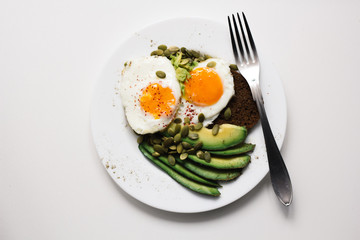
{"x": 116, "y": 143}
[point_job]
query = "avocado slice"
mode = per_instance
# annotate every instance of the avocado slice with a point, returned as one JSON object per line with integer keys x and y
{"x": 229, "y": 135}
{"x": 210, "y": 173}
{"x": 190, "y": 184}
{"x": 242, "y": 148}
{"x": 180, "y": 169}
{"x": 224, "y": 163}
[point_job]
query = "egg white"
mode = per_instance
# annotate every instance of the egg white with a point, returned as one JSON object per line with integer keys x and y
{"x": 135, "y": 77}
{"x": 211, "y": 112}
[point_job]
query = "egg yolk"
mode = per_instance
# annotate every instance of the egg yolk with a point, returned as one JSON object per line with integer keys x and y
{"x": 157, "y": 100}
{"x": 204, "y": 88}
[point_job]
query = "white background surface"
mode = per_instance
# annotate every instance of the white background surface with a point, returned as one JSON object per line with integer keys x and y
{"x": 52, "y": 183}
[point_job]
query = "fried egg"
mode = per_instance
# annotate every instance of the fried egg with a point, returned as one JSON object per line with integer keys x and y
{"x": 208, "y": 91}
{"x": 150, "y": 102}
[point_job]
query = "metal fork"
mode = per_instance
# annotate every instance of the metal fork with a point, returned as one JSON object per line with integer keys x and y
{"x": 249, "y": 66}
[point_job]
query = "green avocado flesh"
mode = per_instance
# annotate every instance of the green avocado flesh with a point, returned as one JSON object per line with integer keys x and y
{"x": 224, "y": 163}
{"x": 227, "y": 149}
{"x": 228, "y": 136}
{"x": 195, "y": 186}
{"x": 242, "y": 148}
{"x": 179, "y": 168}
{"x": 210, "y": 173}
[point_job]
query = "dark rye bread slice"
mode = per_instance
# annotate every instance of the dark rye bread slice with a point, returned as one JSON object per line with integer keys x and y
{"x": 243, "y": 108}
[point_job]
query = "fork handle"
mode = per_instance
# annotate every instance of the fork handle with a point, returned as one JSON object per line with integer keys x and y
{"x": 279, "y": 175}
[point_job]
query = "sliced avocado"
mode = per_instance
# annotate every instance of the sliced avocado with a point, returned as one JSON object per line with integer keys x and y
{"x": 223, "y": 163}
{"x": 210, "y": 173}
{"x": 228, "y": 136}
{"x": 195, "y": 186}
{"x": 242, "y": 148}
{"x": 180, "y": 169}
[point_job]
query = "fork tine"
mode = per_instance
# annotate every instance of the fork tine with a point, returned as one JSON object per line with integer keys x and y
{"x": 251, "y": 40}
{"x": 244, "y": 38}
{"x": 236, "y": 55}
{"x": 238, "y": 39}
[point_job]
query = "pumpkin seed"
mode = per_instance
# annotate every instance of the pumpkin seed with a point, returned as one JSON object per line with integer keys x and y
{"x": 171, "y": 131}
{"x": 233, "y": 67}
{"x": 185, "y": 131}
{"x": 172, "y": 152}
{"x": 173, "y": 49}
{"x": 168, "y": 142}
{"x": 227, "y": 113}
{"x": 193, "y": 136}
{"x": 171, "y": 160}
{"x": 177, "y": 128}
{"x": 192, "y": 127}
{"x": 215, "y": 129}
{"x": 125, "y": 64}
{"x": 185, "y": 61}
{"x": 158, "y": 52}
{"x": 153, "y": 53}
{"x": 151, "y": 140}
{"x": 183, "y": 156}
{"x": 183, "y": 50}
{"x": 201, "y": 117}
{"x": 160, "y": 149}
{"x": 160, "y": 74}
{"x": 191, "y": 151}
{"x": 167, "y": 53}
{"x": 172, "y": 147}
{"x": 198, "y": 126}
{"x": 201, "y": 58}
{"x": 162, "y": 47}
{"x": 179, "y": 148}
{"x": 198, "y": 145}
{"x": 196, "y": 54}
{"x": 186, "y": 145}
{"x": 177, "y": 120}
{"x": 200, "y": 154}
{"x": 155, "y": 154}
{"x": 207, "y": 56}
{"x": 187, "y": 120}
{"x": 140, "y": 139}
{"x": 177, "y": 138}
{"x": 156, "y": 140}
{"x": 211, "y": 64}
{"x": 207, "y": 156}
{"x": 188, "y": 53}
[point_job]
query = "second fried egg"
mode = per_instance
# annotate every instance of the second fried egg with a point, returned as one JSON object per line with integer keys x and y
{"x": 208, "y": 91}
